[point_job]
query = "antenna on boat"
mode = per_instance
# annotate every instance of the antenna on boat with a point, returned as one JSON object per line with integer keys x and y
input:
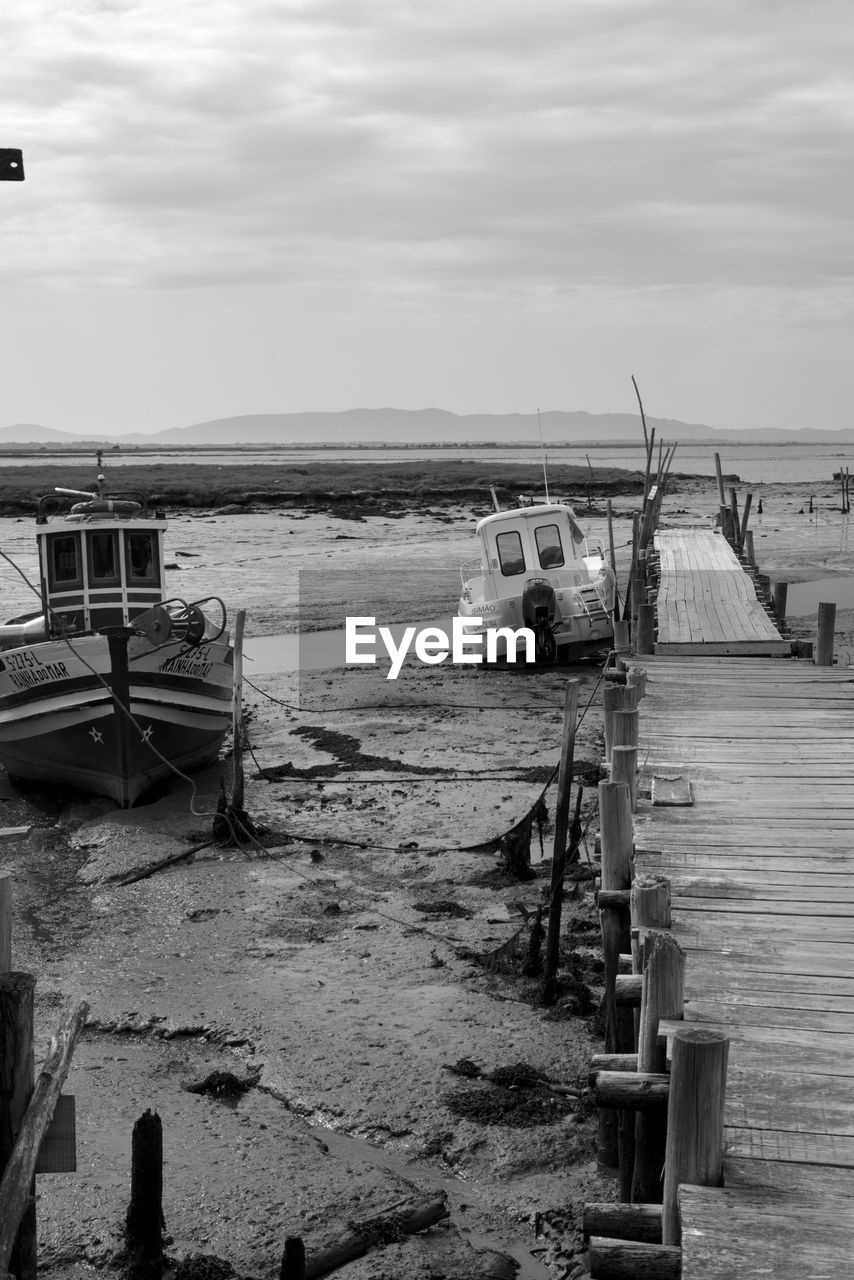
{"x": 545, "y": 461}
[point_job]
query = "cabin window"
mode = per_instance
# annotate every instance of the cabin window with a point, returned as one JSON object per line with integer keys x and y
{"x": 141, "y": 557}
{"x": 103, "y": 552}
{"x": 549, "y": 546}
{"x": 64, "y": 564}
{"x": 510, "y": 553}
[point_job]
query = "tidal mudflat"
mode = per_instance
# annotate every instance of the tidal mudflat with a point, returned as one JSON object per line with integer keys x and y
{"x": 361, "y": 968}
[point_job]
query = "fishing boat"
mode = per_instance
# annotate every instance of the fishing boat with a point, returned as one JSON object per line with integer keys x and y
{"x": 536, "y": 569}
{"x": 112, "y": 685}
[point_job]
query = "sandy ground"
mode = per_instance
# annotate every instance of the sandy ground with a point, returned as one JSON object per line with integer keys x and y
{"x": 343, "y": 963}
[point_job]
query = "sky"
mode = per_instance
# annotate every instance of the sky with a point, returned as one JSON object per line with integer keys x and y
{"x": 490, "y": 206}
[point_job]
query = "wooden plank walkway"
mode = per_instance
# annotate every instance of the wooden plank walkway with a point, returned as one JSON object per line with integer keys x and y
{"x": 706, "y": 602}
{"x": 762, "y": 873}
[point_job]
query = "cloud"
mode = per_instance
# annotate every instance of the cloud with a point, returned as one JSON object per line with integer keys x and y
{"x": 409, "y": 149}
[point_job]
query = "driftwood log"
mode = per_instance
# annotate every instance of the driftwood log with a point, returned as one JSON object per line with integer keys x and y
{"x": 406, "y": 1221}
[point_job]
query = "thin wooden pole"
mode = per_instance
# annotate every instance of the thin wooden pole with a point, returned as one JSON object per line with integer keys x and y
{"x": 5, "y": 921}
{"x": 17, "y": 1074}
{"x": 736, "y": 523}
{"x": 613, "y": 558}
{"x": 824, "y": 639}
{"x": 237, "y": 713}
{"x": 564, "y": 787}
{"x": 695, "y": 1119}
{"x": 744, "y": 519}
{"x": 719, "y": 472}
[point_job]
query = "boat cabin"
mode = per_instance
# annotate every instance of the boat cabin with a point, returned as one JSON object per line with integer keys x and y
{"x": 530, "y": 541}
{"x": 100, "y": 568}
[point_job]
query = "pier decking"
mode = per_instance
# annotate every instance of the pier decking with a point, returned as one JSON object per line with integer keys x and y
{"x": 761, "y": 865}
{"x": 706, "y": 602}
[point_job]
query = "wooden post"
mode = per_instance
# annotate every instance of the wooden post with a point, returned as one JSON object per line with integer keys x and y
{"x": 650, "y": 902}
{"x": 742, "y": 534}
{"x": 638, "y": 596}
{"x": 237, "y": 713}
{"x": 645, "y": 629}
{"x": 17, "y": 1077}
{"x": 736, "y": 523}
{"x": 624, "y": 732}
{"x": 748, "y": 548}
{"x": 615, "y": 818}
{"x": 781, "y": 593}
{"x": 293, "y": 1259}
{"x": 624, "y": 768}
{"x": 5, "y": 921}
{"x": 824, "y": 640}
{"x": 662, "y": 996}
{"x": 695, "y": 1119}
{"x": 613, "y": 700}
{"x": 144, "y": 1221}
{"x": 622, "y": 643}
{"x": 719, "y": 473}
{"x": 17, "y": 1187}
{"x": 564, "y": 787}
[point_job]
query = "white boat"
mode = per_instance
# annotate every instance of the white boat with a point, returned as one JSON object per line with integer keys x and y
{"x": 537, "y": 570}
{"x": 111, "y": 686}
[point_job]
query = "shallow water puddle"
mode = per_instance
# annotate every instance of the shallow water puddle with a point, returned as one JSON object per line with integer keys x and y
{"x": 804, "y": 597}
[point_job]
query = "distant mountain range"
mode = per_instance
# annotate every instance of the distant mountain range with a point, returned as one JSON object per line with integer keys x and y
{"x": 419, "y": 426}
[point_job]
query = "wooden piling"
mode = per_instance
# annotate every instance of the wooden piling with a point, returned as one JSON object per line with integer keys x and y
{"x": 645, "y": 629}
{"x": 622, "y": 642}
{"x": 144, "y": 1220}
{"x": 17, "y": 1078}
{"x": 293, "y": 1259}
{"x": 612, "y": 555}
{"x": 624, "y": 768}
{"x": 613, "y": 700}
{"x": 742, "y": 533}
{"x": 748, "y": 548}
{"x": 616, "y": 1129}
{"x": 662, "y": 996}
{"x": 650, "y": 902}
{"x": 695, "y": 1119}
{"x": 237, "y": 713}
{"x": 17, "y": 1186}
{"x": 564, "y": 787}
{"x": 781, "y": 592}
{"x": 824, "y": 638}
{"x": 638, "y": 597}
{"x": 625, "y": 725}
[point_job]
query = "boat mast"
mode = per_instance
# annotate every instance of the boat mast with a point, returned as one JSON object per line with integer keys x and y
{"x": 545, "y": 462}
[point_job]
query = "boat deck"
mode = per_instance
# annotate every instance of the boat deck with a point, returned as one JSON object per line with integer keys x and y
{"x": 762, "y": 872}
{"x": 707, "y": 603}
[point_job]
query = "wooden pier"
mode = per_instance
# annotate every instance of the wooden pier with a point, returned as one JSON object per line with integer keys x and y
{"x": 706, "y": 601}
{"x": 746, "y": 815}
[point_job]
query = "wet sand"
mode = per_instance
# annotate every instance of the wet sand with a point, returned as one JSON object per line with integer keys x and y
{"x": 338, "y": 963}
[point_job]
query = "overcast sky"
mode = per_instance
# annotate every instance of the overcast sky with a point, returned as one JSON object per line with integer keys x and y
{"x": 486, "y": 205}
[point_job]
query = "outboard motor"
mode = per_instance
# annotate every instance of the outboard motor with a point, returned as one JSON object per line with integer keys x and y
{"x": 538, "y": 613}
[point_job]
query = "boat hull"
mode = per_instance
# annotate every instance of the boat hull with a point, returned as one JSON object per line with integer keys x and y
{"x": 76, "y": 713}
